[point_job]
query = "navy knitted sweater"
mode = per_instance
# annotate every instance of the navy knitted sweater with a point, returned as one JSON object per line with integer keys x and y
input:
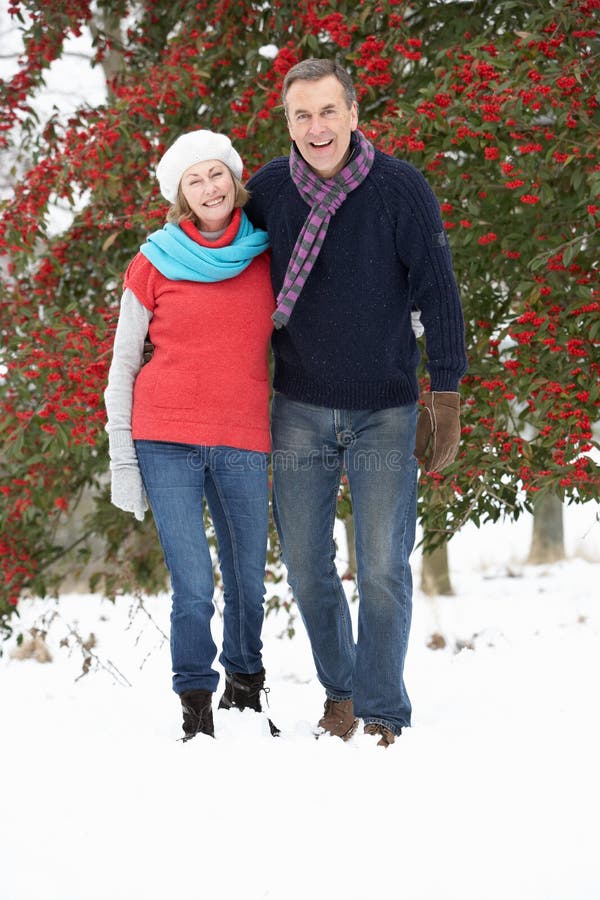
{"x": 349, "y": 342}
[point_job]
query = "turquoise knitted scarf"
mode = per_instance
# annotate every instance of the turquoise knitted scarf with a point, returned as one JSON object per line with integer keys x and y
{"x": 179, "y": 258}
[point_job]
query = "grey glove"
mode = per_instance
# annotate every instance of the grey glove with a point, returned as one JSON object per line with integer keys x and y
{"x": 416, "y": 324}
{"x": 127, "y": 491}
{"x": 438, "y": 430}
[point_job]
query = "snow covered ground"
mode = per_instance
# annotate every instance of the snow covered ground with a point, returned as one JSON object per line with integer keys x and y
{"x": 494, "y": 792}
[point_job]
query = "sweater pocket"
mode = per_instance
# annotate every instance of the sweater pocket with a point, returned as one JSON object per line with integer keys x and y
{"x": 174, "y": 390}
{"x": 236, "y": 400}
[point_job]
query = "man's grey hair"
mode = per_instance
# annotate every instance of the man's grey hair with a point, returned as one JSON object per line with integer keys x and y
{"x": 314, "y": 70}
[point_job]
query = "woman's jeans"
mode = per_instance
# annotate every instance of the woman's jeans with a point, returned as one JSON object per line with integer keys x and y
{"x": 311, "y": 446}
{"x": 177, "y": 478}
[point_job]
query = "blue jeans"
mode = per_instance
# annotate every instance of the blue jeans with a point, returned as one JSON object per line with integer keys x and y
{"x": 311, "y": 447}
{"x": 177, "y": 478}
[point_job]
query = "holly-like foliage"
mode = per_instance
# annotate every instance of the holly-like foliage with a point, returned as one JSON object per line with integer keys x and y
{"x": 495, "y": 102}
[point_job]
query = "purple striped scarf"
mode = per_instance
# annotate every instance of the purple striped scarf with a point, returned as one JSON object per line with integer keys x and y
{"x": 324, "y": 196}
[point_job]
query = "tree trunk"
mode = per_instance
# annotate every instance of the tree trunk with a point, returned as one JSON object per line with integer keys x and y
{"x": 110, "y": 25}
{"x": 547, "y": 540}
{"x": 349, "y": 526}
{"x": 435, "y": 574}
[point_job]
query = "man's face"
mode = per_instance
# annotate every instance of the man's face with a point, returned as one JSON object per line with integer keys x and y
{"x": 320, "y": 123}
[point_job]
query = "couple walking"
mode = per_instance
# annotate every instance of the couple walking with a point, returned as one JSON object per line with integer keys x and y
{"x": 327, "y": 258}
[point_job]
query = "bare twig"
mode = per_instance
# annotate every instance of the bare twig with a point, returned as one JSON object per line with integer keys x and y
{"x": 87, "y": 648}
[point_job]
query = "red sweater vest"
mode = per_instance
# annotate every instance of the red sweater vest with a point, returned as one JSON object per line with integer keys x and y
{"x": 208, "y": 380}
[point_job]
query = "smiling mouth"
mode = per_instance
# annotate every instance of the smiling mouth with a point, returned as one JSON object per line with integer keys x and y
{"x": 211, "y": 203}
{"x": 320, "y": 144}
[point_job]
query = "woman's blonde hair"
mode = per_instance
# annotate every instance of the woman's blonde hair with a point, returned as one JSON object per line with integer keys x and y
{"x": 180, "y": 211}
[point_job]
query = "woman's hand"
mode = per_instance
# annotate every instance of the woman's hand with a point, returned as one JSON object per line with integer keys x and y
{"x": 127, "y": 491}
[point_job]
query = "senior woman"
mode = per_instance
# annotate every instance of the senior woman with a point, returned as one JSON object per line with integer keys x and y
{"x": 193, "y": 423}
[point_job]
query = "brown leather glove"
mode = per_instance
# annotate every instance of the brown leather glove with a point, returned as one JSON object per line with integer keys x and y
{"x": 438, "y": 430}
{"x": 148, "y": 350}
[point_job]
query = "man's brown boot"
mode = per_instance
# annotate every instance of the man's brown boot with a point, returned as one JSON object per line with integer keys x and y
{"x": 338, "y": 719}
{"x": 386, "y": 737}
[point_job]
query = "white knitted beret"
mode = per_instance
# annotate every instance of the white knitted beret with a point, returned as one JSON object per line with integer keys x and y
{"x": 195, "y": 147}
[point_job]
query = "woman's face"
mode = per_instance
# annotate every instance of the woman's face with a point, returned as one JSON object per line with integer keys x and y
{"x": 210, "y": 191}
